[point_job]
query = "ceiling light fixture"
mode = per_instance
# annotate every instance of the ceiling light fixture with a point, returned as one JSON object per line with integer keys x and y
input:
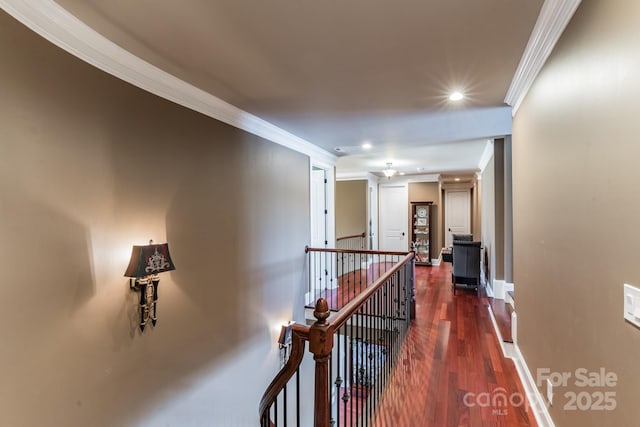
{"x": 388, "y": 172}
{"x": 366, "y": 145}
{"x": 456, "y": 96}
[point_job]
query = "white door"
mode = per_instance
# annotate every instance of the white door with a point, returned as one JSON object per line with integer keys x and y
{"x": 394, "y": 218}
{"x": 318, "y": 208}
{"x": 458, "y": 213}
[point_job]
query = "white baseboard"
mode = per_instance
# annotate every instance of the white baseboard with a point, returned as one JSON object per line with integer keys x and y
{"x": 498, "y": 289}
{"x": 489, "y": 291}
{"x": 535, "y": 400}
{"x": 514, "y": 327}
{"x": 435, "y": 261}
{"x": 509, "y": 300}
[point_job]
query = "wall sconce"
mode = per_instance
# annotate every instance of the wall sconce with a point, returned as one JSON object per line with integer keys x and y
{"x": 284, "y": 341}
{"x": 145, "y": 264}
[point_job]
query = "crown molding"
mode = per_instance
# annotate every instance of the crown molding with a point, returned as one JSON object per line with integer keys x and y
{"x": 353, "y": 176}
{"x": 552, "y": 20}
{"x": 432, "y": 177}
{"x": 56, "y": 24}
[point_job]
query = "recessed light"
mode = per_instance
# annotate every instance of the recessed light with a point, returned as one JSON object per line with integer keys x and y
{"x": 337, "y": 149}
{"x": 457, "y": 179}
{"x": 401, "y": 173}
{"x": 456, "y": 96}
{"x": 366, "y": 145}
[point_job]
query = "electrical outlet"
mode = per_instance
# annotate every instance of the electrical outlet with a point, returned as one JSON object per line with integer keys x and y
{"x": 549, "y": 391}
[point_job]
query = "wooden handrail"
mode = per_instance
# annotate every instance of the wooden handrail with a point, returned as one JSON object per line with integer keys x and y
{"x": 299, "y": 334}
{"x": 338, "y": 319}
{"x": 321, "y": 339}
{"x": 363, "y": 234}
{"x": 307, "y": 249}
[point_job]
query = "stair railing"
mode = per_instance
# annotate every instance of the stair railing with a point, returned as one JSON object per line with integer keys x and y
{"x": 355, "y": 241}
{"x": 353, "y": 349}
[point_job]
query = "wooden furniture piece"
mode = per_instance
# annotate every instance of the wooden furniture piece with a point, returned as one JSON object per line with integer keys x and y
{"x": 421, "y": 231}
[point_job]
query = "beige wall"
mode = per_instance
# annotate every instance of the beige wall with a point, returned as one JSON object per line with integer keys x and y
{"x": 576, "y": 208}
{"x": 89, "y": 166}
{"x": 351, "y": 207}
{"x": 429, "y": 192}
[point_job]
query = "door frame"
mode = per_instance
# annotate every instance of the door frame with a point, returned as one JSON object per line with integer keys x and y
{"x": 330, "y": 196}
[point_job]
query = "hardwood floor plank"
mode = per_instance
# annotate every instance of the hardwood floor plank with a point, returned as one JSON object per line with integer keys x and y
{"x": 451, "y": 371}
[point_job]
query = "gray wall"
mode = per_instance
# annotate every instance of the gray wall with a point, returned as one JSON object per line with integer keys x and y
{"x": 576, "y": 209}
{"x": 90, "y": 165}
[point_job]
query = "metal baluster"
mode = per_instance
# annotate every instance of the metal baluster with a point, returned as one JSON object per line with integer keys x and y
{"x": 338, "y": 378}
{"x": 369, "y": 361}
{"x": 332, "y": 267}
{"x": 298, "y": 397}
{"x": 275, "y": 412}
{"x": 331, "y": 420}
{"x": 284, "y": 404}
{"x": 346, "y": 394}
{"x": 352, "y": 376}
{"x": 358, "y": 344}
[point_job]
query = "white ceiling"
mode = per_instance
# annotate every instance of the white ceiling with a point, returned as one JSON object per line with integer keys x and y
{"x": 338, "y": 73}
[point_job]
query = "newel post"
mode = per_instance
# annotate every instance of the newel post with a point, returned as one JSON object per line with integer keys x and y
{"x": 321, "y": 344}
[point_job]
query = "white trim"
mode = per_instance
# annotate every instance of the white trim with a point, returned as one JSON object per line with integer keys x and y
{"x": 536, "y": 402}
{"x": 498, "y": 289}
{"x": 538, "y": 405}
{"x": 509, "y": 300}
{"x": 61, "y": 28}
{"x": 552, "y": 20}
{"x": 506, "y": 347}
{"x": 435, "y": 261}
{"x": 356, "y": 176}
{"x": 434, "y": 177}
{"x": 489, "y": 291}
{"x": 486, "y": 157}
{"x": 514, "y": 327}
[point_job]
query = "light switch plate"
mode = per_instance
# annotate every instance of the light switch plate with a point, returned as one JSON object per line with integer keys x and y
{"x": 632, "y": 304}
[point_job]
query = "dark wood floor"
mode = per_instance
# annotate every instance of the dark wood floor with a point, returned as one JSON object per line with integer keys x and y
{"x": 351, "y": 284}
{"x": 451, "y": 370}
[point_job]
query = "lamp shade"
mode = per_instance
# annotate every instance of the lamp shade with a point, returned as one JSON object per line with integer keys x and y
{"x": 148, "y": 260}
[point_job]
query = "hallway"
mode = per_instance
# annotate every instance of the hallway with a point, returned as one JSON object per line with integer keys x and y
{"x": 451, "y": 371}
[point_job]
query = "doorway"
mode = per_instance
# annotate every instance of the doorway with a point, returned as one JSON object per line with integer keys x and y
{"x": 457, "y": 214}
{"x": 394, "y": 218}
{"x": 318, "y": 208}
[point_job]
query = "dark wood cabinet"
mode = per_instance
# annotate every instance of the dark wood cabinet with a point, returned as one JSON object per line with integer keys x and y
{"x": 421, "y": 231}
